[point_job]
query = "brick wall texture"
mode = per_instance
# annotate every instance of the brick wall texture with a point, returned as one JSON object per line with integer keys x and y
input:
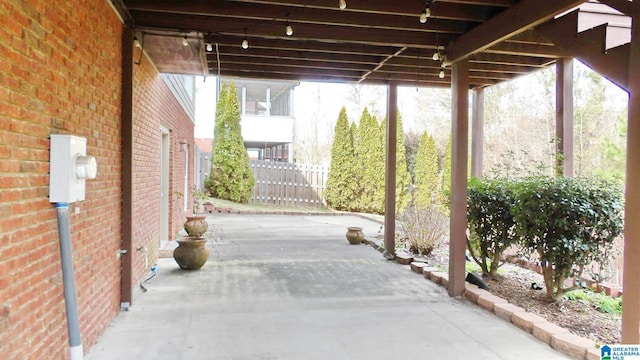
{"x": 61, "y": 72}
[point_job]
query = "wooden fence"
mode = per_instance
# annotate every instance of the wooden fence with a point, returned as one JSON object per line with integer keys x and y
{"x": 289, "y": 184}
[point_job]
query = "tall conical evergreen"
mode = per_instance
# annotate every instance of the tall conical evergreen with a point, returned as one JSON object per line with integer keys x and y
{"x": 220, "y": 121}
{"x": 445, "y": 188}
{"x": 231, "y": 177}
{"x": 371, "y": 155}
{"x": 342, "y": 183}
{"x": 357, "y": 167}
{"x": 403, "y": 178}
{"x": 426, "y": 173}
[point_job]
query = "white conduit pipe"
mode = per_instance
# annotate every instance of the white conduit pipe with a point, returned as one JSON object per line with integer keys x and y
{"x": 68, "y": 282}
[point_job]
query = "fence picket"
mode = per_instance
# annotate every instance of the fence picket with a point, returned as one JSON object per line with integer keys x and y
{"x": 288, "y": 184}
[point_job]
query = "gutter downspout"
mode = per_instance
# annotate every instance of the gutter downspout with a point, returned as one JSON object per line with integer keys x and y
{"x": 68, "y": 282}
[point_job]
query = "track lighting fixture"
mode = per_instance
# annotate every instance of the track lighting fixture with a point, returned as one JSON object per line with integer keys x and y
{"x": 185, "y": 41}
{"x": 288, "y": 29}
{"x": 342, "y": 4}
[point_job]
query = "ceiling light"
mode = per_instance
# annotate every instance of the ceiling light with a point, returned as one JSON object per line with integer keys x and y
{"x": 136, "y": 42}
{"x": 185, "y": 41}
{"x": 426, "y": 13}
{"x": 342, "y": 4}
{"x": 436, "y": 56}
{"x": 245, "y": 42}
{"x": 288, "y": 29}
{"x": 441, "y": 74}
{"x": 209, "y": 47}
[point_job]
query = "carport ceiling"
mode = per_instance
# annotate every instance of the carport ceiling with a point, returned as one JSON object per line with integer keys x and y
{"x": 371, "y": 41}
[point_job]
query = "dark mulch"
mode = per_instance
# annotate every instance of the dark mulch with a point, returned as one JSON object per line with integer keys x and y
{"x": 514, "y": 285}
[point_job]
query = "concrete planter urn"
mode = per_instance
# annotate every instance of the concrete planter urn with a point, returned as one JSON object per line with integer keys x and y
{"x": 191, "y": 253}
{"x": 355, "y": 235}
{"x": 196, "y": 226}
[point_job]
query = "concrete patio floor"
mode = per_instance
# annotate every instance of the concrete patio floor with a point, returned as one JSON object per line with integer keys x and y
{"x": 291, "y": 287}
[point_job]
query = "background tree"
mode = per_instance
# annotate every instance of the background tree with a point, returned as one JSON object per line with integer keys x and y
{"x": 445, "y": 185}
{"x": 411, "y": 145}
{"x": 403, "y": 178}
{"x": 230, "y": 177}
{"x": 426, "y": 173}
{"x": 343, "y": 183}
{"x": 371, "y": 156}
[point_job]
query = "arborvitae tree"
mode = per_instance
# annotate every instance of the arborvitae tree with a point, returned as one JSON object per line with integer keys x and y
{"x": 356, "y": 165}
{"x": 342, "y": 184}
{"x": 371, "y": 156}
{"x": 427, "y": 173}
{"x": 220, "y": 121}
{"x": 445, "y": 188}
{"x": 231, "y": 177}
{"x": 403, "y": 179}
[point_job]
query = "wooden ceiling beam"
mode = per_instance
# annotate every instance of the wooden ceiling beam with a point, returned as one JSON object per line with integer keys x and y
{"x": 283, "y": 55}
{"x": 277, "y": 68}
{"x": 255, "y": 42}
{"x": 524, "y": 49}
{"x": 501, "y": 3}
{"x": 425, "y": 65}
{"x": 513, "y": 21}
{"x": 440, "y": 10}
{"x": 205, "y": 24}
{"x": 299, "y": 15}
{"x": 510, "y": 60}
{"x": 310, "y": 64}
{"x": 624, "y": 6}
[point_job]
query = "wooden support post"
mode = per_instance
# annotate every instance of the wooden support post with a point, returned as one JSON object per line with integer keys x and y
{"x": 477, "y": 133}
{"x": 126, "y": 283}
{"x": 630, "y": 283}
{"x": 390, "y": 172}
{"x": 564, "y": 117}
{"x": 459, "y": 161}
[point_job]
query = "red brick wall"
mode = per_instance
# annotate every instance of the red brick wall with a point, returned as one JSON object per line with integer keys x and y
{"x": 156, "y": 107}
{"x": 60, "y": 72}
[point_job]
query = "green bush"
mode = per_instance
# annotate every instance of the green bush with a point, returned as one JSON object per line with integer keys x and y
{"x": 491, "y": 224}
{"x": 600, "y": 301}
{"x": 569, "y": 223}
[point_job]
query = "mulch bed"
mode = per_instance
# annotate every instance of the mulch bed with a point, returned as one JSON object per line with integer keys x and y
{"x": 578, "y": 317}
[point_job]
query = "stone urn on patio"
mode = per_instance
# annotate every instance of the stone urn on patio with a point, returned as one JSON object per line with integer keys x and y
{"x": 355, "y": 235}
{"x": 191, "y": 253}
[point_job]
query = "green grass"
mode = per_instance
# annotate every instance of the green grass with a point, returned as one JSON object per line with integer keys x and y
{"x": 265, "y": 207}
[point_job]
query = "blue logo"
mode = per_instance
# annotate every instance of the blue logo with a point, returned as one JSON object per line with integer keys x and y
{"x": 605, "y": 352}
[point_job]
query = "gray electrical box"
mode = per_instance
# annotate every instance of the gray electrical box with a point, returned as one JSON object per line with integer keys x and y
{"x": 69, "y": 167}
